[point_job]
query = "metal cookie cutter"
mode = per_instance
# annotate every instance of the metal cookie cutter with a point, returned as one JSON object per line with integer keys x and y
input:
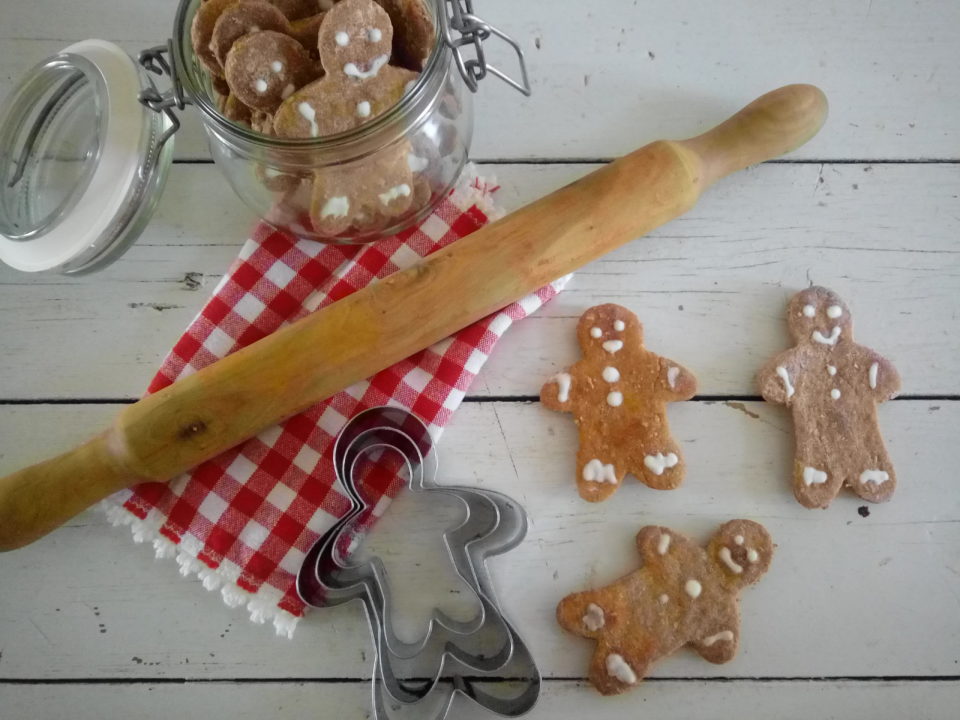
{"x": 475, "y": 658}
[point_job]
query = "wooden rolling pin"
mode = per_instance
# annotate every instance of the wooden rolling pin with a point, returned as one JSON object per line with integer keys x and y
{"x": 167, "y": 433}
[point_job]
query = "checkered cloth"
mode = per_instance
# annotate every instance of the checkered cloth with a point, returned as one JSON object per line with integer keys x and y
{"x": 243, "y": 521}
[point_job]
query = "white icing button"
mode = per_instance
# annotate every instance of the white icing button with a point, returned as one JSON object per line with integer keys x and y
{"x": 618, "y": 325}
{"x": 595, "y": 332}
{"x": 693, "y": 588}
{"x": 342, "y": 39}
{"x": 613, "y": 346}
{"x": 809, "y": 311}
{"x": 664, "y": 599}
{"x": 363, "y": 109}
{"x": 615, "y": 399}
{"x": 611, "y": 374}
{"x": 832, "y": 370}
{"x": 835, "y": 394}
{"x": 834, "y": 311}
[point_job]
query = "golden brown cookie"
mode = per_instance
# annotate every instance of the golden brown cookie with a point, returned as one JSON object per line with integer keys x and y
{"x": 832, "y": 386}
{"x": 618, "y": 395}
{"x": 306, "y": 31}
{"x": 201, "y": 32}
{"x": 683, "y": 595}
{"x": 236, "y": 111}
{"x": 262, "y": 122}
{"x": 263, "y": 68}
{"x": 413, "y": 32}
{"x": 243, "y": 18}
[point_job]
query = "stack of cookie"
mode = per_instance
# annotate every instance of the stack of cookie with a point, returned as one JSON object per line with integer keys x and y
{"x": 314, "y": 68}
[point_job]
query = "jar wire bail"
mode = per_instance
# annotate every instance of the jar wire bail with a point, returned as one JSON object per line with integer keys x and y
{"x": 155, "y": 61}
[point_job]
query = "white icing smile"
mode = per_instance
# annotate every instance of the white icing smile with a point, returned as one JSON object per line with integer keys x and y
{"x": 729, "y": 561}
{"x": 830, "y": 340}
{"x": 372, "y": 68}
{"x": 613, "y": 346}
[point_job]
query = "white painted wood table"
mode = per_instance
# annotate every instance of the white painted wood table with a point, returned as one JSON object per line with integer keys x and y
{"x": 859, "y": 617}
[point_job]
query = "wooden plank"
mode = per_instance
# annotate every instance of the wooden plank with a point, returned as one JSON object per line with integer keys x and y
{"x": 846, "y": 595}
{"x": 713, "y": 701}
{"x": 608, "y": 79}
{"x": 885, "y": 236}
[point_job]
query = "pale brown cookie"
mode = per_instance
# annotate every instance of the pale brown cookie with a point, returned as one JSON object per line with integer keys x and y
{"x": 297, "y": 9}
{"x": 263, "y": 68}
{"x": 201, "y": 32}
{"x": 832, "y": 386}
{"x": 683, "y": 595}
{"x": 236, "y": 111}
{"x": 341, "y": 195}
{"x": 219, "y": 85}
{"x": 243, "y": 18}
{"x": 618, "y": 395}
{"x": 413, "y": 32}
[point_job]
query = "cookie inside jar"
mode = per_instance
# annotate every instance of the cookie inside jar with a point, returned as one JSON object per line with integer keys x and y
{"x": 314, "y": 69}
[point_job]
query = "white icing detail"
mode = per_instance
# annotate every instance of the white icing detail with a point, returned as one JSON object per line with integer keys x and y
{"x": 612, "y": 346}
{"x": 664, "y": 543}
{"x": 374, "y": 35}
{"x": 877, "y": 477}
{"x": 611, "y": 374}
{"x": 595, "y": 332}
{"x": 353, "y": 71}
{"x": 831, "y": 370}
{"x": 260, "y": 85}
{"x": 307, "y": 112}
{"x": 831, "y": 340}
{"x": 664, "y": 599}
{"x": 738, "y": 539}
{"x": 660, "y": 462}
{"x": 336, "y": 207}
{"x": 787, "y": 385}
{"x": 873, "y": 375}
{"x": 276, "y": 66}
{"x": 596, "y": 471}
{"x": 416, "y": 163}
{"x": 672, "y": 374}
{"x": 809, "y": 311}
{"x": 729, "y": 561}
{"x": 722, "y": 635}
{"x": 272, "y": 172}
{"x": 363, "y": 109}
{"x": 409, "y": 86}
{"x": 617, "y": 667}
{"x": 835, "y": 394}
{"x": 563, "y": 386}
{"x": 594, "y": 619}
{"x": 834, "y": 311}
{"x": 812, "y": 476}
{"x": 342, "y": 38}
{"x": 615, "y": 399}
{"x": 618, "y": 325}
{"x": 752, "y": 555}
{"x": 693, "y": 588}
{"x": 402, "y": 190}
{"x": 254, "y": 28}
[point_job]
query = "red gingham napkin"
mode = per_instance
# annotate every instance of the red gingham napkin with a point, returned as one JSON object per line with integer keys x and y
{"x": 244, "y": 520}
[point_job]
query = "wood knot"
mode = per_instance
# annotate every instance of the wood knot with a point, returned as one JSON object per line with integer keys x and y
{"x": 193, "y": 429}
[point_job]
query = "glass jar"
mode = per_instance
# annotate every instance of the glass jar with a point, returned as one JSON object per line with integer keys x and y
{"x": 82, "y": 163}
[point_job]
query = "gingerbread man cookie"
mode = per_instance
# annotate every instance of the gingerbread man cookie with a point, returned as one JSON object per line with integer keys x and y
{"x": 683, "y": 595}
{"x": 618, "y": 395}
{"x": 264, "y": 68}
{"x": 242, "y": 18}
{"x": 832, "y": 386}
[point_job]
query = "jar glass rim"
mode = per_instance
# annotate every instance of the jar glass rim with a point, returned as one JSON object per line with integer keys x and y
{"x": 189, "y": 72}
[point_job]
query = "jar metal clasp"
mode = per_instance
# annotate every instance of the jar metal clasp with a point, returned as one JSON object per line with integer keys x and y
{"x": 160, "y": 61}
{"x": 461, "y": 28}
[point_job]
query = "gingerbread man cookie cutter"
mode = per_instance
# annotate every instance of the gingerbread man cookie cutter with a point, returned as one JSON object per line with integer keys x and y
{"x": 455, "y": 656}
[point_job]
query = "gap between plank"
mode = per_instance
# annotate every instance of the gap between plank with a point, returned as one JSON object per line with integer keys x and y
{"x": 604, "y": 160}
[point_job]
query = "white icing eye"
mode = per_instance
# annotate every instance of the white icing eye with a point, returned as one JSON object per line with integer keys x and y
{"x": 596, "y": 332}
{"x": 260, "y": 86}
{"x": 834, "y": 311}
{"x": 342, "y": 38}
{"x": 809, "y": 311}
{"x": 276, "y": 66}
{"x": 374, "y": 35}
{"x": 618, "y": 325}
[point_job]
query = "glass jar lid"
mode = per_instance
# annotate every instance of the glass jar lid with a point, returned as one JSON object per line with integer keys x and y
{"x": 82, "y": 161}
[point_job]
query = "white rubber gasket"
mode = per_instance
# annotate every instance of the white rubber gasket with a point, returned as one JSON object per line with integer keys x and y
{"x": 120, "y": 159}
